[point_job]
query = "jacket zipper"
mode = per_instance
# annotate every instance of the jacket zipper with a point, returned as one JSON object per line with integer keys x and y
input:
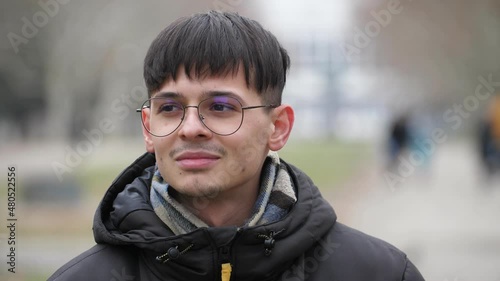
{"x": 225, "y": 257}
{"x": 226, "y": 267}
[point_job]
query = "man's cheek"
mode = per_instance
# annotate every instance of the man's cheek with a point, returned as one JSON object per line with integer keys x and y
{"x": 235, "y": 167}
{"x": 248, "y": 152}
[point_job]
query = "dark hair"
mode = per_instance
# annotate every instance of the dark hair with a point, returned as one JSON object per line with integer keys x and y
{"x": 217, "y": 43}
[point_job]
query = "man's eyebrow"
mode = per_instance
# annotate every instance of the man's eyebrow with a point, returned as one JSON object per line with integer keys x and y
{"x": 204, "y": 94}
{"x": 167, "y": 95}
{"x": 215, "y": 93}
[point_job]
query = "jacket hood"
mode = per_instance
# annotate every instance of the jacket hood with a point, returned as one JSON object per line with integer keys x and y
{"x": 125, "y": 217}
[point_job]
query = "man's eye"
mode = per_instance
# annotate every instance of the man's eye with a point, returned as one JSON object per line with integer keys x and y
{"x": 221, "y": 107}
{"x": 170, "y": 107}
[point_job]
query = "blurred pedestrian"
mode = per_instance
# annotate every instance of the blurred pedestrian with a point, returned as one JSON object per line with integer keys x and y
{"x": 398, "y": 139}
{"x": 489, "y": 138}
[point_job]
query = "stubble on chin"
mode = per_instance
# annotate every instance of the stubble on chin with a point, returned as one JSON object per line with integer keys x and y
{"x": 197, "y": 196}
{"x": 198, "y": 188}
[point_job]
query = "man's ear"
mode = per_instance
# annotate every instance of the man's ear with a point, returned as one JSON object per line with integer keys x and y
{"x": 147, "y": 136}
{"x": 283, "y": 118}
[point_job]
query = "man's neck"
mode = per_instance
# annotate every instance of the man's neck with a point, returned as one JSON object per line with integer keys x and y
{"x": 230, "y": 208}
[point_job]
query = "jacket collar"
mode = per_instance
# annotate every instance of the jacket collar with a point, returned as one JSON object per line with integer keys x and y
{"x": 124, "y": 217}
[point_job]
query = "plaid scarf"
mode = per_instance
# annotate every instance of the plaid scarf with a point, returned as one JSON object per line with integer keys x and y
{"x": 276, "y": 197}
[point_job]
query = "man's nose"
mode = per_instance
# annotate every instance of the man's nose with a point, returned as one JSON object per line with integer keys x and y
{"x": 192, "y": 123}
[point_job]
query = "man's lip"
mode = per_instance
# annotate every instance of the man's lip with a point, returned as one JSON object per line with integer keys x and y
{"x": 195, "y": 155}
{"x": 196, "y": 160}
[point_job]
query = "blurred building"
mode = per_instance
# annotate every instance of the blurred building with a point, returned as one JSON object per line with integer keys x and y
{"x": 354, "y": 63}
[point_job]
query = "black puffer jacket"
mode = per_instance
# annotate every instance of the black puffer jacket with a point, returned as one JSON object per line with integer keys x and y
{"x": 308, "y": 244}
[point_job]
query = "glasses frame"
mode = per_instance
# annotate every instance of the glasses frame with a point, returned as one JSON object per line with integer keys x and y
{"x": 243, "y": 108}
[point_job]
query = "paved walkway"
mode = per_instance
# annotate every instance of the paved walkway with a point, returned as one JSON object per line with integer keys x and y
{"x": 445, "y": 217}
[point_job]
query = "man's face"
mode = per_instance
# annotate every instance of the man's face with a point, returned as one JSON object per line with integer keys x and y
{"x": 199, "y": 163}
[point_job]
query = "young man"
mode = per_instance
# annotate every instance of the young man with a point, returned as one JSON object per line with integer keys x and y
{"x": 211, "y": 200}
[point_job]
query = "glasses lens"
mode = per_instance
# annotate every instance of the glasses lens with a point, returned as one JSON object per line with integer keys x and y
{"x": 166, "y": 115}
{"x": 222, "y": 115}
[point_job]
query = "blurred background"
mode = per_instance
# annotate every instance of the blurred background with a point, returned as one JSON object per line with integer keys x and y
{"x": 397, "y": 118}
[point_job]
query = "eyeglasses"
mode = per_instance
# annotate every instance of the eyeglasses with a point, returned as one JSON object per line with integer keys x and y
{"x": 223, "y": 115}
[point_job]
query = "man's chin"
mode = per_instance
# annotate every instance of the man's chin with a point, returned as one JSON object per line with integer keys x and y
{"x": 198, "y": 191}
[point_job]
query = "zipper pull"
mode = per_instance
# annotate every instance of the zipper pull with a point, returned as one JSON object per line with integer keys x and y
{"x": 226, "y": 272}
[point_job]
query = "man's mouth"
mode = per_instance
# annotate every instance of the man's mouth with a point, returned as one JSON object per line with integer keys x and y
{"x": 196, "y": 160}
